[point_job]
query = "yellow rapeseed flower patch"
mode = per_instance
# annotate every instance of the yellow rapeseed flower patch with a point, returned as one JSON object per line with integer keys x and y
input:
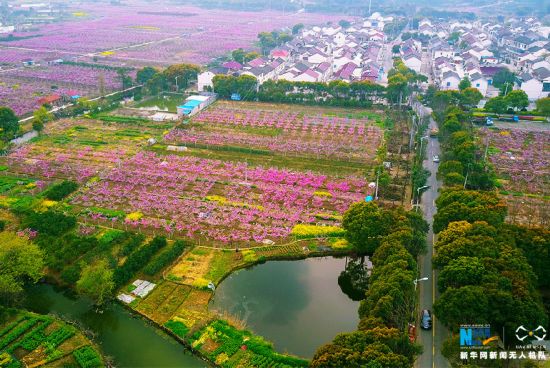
{"x": 201, "y": 283}
{"x": 134, "y": 216}
{"x": 147, "y": 28}
{"x": 320, "y": 193}
{"x": 6, "y": 202}
{"x": 505, "y": 133}
{"x": 340, "y": 244}
{"x": 107, "y": 53}
{"x": 48, "y": 203}
{"x": 312, "y": 231}
{"x": 249, "y": 255}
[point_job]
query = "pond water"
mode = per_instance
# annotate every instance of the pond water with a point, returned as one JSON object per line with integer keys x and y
{"x": 297, "y": 305}
{"x": 129, "y": 340}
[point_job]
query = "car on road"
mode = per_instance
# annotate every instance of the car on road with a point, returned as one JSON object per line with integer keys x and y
{"x": 426, "y": 319}
{"x": 436, "y": 158}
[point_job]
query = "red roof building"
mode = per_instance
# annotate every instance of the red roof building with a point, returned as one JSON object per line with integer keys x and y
{"x": 49, "y": 99}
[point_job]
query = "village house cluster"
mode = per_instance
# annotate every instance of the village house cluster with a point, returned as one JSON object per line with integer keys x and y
{"x": 478, "y": 50}
{"x": 318, "y": 54}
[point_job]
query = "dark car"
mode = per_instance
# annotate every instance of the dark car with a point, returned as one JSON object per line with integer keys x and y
{"x": 426, "y": 319}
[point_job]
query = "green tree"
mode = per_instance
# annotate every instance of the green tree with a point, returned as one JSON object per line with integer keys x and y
{"x": 470, "y": 205}
{"x": 179, "y": 75}
{"x": 125, "y": 80}
{"x": 40, "y": 117}
{"x": 38, "y": 125}
{"x": 450, "y": 166}
{"x": 156, "y": 84}
{"x": 506, "y": 88}
{"x": 251, "y": 56}
{"x": 470, "y": 96}
{"x": 9, "y": 123}
{"x": 497, "y": 105}
{"x": 21, "y": 261}
{"x": 543, "y": 106}
{"x": 238, "y": 55}
{"x": 96, "y": 281}
{"x": 344, "y": 23}
{"x": 145, "y": 74}
{"x": 395, "y": 49}
{"x": 464, "y": 83}
{"x": 517, "y": 99}
{"x": 464, "y": 305}
{"x": 461, "y": 272}
{"x": 364, "y": 226}
{"x": 502, "y": 77}
{"x": 453, "y": 38}
{"x": 297, "y": 28}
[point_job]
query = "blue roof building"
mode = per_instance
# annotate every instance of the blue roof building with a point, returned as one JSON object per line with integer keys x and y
{"x": 189, "y": 106}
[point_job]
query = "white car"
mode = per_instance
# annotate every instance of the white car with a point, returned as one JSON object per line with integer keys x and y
{"x": 436, "y": 158}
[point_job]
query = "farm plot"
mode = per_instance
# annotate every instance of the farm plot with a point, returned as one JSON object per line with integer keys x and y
{"x": 521, "y": 159}
{"x": 285, "y": 133}
{"x": 79, "y": 149}
{"x": 22, "y": 95}
{"x": 138, "y": 32}
{"x": 222, "y": 201}
{"x": 31, "y": 340}
{"x": 21, "y": 89}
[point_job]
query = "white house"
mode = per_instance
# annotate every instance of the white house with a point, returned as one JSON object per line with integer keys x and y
{"x": 308, "y": 76}
{"x": 479, "y": 82}
{"x": 413, "y": 61}
{"x": 534, "y": 87}
{"x": 317, "y": 57}
{"x": 450, "y": 80}
{"x": 204, "y": 80}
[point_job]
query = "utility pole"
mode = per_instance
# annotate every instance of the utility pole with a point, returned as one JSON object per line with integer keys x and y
{"x": 376, "y": 191}
{"x": 370, "y": 3}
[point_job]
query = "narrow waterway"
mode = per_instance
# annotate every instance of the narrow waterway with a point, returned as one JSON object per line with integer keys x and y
{"x": 298, "y": 305}
{"x": 129, "y": 340}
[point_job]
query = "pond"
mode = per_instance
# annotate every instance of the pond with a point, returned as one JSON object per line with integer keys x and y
{"x": 297, "y": 305}
{"x": 129, "y": 340}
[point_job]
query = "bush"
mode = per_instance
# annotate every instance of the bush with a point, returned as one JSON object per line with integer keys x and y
{"x": 50, "y": 222}
{"x": 177, "y": 327}
{"x": 59, "y": 191}
{"x": 137, "y": 259}
{"x": 134, "y": 242}
{"x": 87, "y": 357}
{"x": 164, "y": 258}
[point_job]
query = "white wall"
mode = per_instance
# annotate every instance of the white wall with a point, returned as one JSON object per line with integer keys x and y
{"x": 414, "y": 64}
{"x": 481, "y": 85}
{"x": 453, "y": 83}
{"x": 205, "y": 80}
{"x": 533, "y": 88}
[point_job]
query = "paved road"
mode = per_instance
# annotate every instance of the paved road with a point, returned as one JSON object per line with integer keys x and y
{"x": 432, "y": 340}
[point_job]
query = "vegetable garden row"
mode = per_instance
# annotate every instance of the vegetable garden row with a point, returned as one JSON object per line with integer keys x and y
{"x": 34, "y": 340}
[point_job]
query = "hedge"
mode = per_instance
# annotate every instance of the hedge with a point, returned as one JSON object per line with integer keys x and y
{"x": 165, "y": 258}
{"x": 59, "y": 191}
{"x": 87, "y": 357}
{"x": 137, "y": 259}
